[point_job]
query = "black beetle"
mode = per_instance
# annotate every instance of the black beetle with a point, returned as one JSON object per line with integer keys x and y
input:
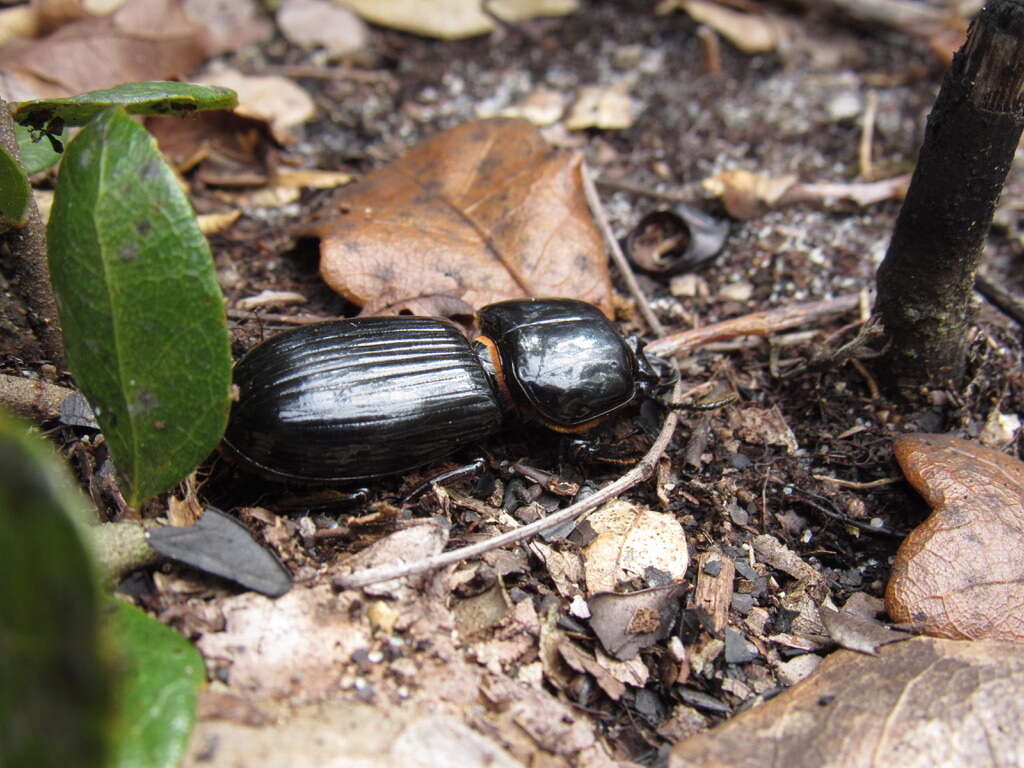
{"x": 371, "y": 396}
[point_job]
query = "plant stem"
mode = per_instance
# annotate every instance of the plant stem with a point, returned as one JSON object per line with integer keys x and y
{"x": 925, "y": 281}
{"x": 29, "y": 325}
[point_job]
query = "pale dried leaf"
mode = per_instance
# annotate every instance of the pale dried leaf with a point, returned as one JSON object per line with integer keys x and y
{"x": 747, "y": 195}
{"x": 289, "y": 647}
{"x": 311, "y": 23}
{"x": 750, "y": 32}
{"x": 631, "y": 539}
{"x": 924, "y": 702}
{"x": 609, "y": 109}
{"x": 453, "y": 19}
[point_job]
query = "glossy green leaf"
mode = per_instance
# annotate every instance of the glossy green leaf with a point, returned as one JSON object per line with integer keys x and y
{"x": 37, "y": 151}
{"x": 54, "y": 693}
{"x": 158, "y": 674}
{"x": 14, "y": 192}
{"x": 142, "y": 314}
{"x": 149, "y": 98}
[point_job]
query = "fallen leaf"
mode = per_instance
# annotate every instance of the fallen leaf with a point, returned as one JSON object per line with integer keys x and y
{"x": 231, "y": 138}
{"x": 921, "y": 702}
{"x": 750, "y": 32}
{"x": 482, "y": 212}
{"x": 583, "y": 662}
{"x": 630, "y": 540}
{"x": 609, "y": 109}
{"x": 273, "y": 99}
{"x": 289, "y": 647}
{"x": 311, "y": 23}
{"x": 856, "y": 632}
{"x": 406, "y": 545}
{"x": 763, "y": 426}
{"x": 541, "y": 106}
{"x": 747, "y": 195}
{"x": 960, "y": 574}
{"x": 219, "y": 544}
{"x": 19, "y": 21}
{"x": 143, "y": 40}
{"x": 454, "y": 19}
{"x": 228, "y": 24}
{"x": 626, "y": 624}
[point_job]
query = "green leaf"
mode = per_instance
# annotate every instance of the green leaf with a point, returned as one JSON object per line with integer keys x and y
{"x": 37, "y": 153}
{"x": 149, "y": 98}
{"x": 143, "y": 317}
{"x": 158, "y": 678}
{"x": 14, "y": 192}
{"x": 55, "y": 698}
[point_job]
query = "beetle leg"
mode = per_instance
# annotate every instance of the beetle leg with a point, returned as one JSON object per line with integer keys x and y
{"x": 475, "y": 467}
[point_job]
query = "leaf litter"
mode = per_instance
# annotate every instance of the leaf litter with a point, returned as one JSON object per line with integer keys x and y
{"x": 748, "y": 474}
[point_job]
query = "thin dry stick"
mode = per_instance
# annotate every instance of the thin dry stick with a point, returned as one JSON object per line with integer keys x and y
{"x": 597, "y": 210}
{"x": 640, "y": 472}
{"x": 754, "y": 324}
{"x": 867, "y": 136}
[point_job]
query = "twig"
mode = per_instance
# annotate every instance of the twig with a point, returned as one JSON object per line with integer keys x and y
{"x": 32, "y": 398}
{"x": 640, "y": 472}
{"x": 858, "y": 486}
{"x": 31, "y": 271}
{"x": 1006, "y": 302}
{"x": 690, "y": 192}
{"x": 908, "y": 16}
{"x": 267, "y": 317}
{"x": 754, "y": 324}
{"x": 867, "y": 136}
{"x": 597, "y": 210}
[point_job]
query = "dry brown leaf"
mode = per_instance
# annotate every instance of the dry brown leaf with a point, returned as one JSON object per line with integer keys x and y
{"x": 454, "y": 19}
{"x": 960, "y": 574}
{"x": 923, "y": 702}
{"x": 144, "y": 40}
{"x": 228, "y": 24}
{"x": 482, "y": 212}
{"x": 631, "y": 539}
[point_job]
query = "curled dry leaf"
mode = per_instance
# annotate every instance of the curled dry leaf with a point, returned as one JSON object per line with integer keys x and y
{"x": 960, "y": 573}
{"x": 482, "y": 212}
{"x": 631, "y": 539}
{"x": 626, "y": 624}
{"x": 276, "y": 100}
{"x": 921, "y": 702}
{"x": 321, "y": 22}
{"x": 750, "y": 32}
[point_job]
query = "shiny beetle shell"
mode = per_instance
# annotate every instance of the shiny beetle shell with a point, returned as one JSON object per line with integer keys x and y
{"x": 360, "y": 398}
{"x": 564, "y": 359}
